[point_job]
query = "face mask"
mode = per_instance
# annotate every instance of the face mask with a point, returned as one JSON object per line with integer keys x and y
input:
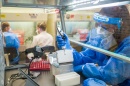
{"x": 103, "y": 31}
{"x": 10, "y": 30}
{"x": 108, "y": 42}
{"x": 37, "y": 32}
{"x": 99, "y": 37}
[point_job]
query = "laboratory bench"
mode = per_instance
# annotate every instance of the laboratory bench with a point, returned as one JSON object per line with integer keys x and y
{"x": 44, "y": 79}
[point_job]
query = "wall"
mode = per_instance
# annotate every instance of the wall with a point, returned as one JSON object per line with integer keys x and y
{"x": 21, "y": 10}
{"x": 77, "y": 16}
{"x": 23, "y": 14}
{"x": 23, "y": 17}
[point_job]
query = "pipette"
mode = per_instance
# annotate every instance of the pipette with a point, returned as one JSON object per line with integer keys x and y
{"x": 62, "y": 35}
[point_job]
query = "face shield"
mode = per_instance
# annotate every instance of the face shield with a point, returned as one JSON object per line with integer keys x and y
{"x": 107, "y": 20}
{"x": 105, "y": 30}
{"x": 102, "y": 31}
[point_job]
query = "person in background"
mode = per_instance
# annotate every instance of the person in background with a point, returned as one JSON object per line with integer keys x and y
{"x": 112, "y": 28}
{"x": 42, "y": 38}
{"x": 10, "y": 40}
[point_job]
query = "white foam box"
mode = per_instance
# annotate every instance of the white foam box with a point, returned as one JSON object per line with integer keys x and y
{"x": 67, "y": 79}
{"x": 64, "y": 56}
{"x": 63, "y": 68}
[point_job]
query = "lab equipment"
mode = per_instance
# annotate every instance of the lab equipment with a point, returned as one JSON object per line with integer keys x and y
{"x": 108, "y": 20}
{"x": 60, "y": 62}
{"x": 61, "y": 69}
{"x": 64, "y": 38}
{"x": 62, "y": 35}
{"x": 39, "y": 52}
{"x": 67, "y": 79}
{"x": 65, "y": 42}
{"x": 39, "y": 65}
{"x": 61, "y": 32}
{"x": 61, "y": 57}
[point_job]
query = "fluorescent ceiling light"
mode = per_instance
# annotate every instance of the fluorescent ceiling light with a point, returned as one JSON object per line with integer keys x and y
{"x": 104, "y": 5}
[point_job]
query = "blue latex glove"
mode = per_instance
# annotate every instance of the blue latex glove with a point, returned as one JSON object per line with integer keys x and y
{"x": 63, "y": 42}
{"x": 93, "y": 82}
{"x": 78, "y": 68}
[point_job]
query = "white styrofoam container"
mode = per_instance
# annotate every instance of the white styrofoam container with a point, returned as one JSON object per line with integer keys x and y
{"x": 67, "y": 79}
{"x": 63, "y": 68}
{"x": 62, "y": 76}
{"x": 64, "y": 56}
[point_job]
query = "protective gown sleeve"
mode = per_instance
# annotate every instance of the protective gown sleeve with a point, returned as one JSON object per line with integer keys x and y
{"x": 114, "y": 72}
{"x": 80, "y": 59}
{"x": 88, "y": 55}
{"x": 93, "y": 82}
{"x": 11, "y": 40}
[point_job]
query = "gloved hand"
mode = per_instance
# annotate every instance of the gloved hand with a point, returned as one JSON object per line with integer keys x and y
{"x": 93, "y": 82}
{"x": 63, "y": 42}
{"x": 78, "y": 68}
